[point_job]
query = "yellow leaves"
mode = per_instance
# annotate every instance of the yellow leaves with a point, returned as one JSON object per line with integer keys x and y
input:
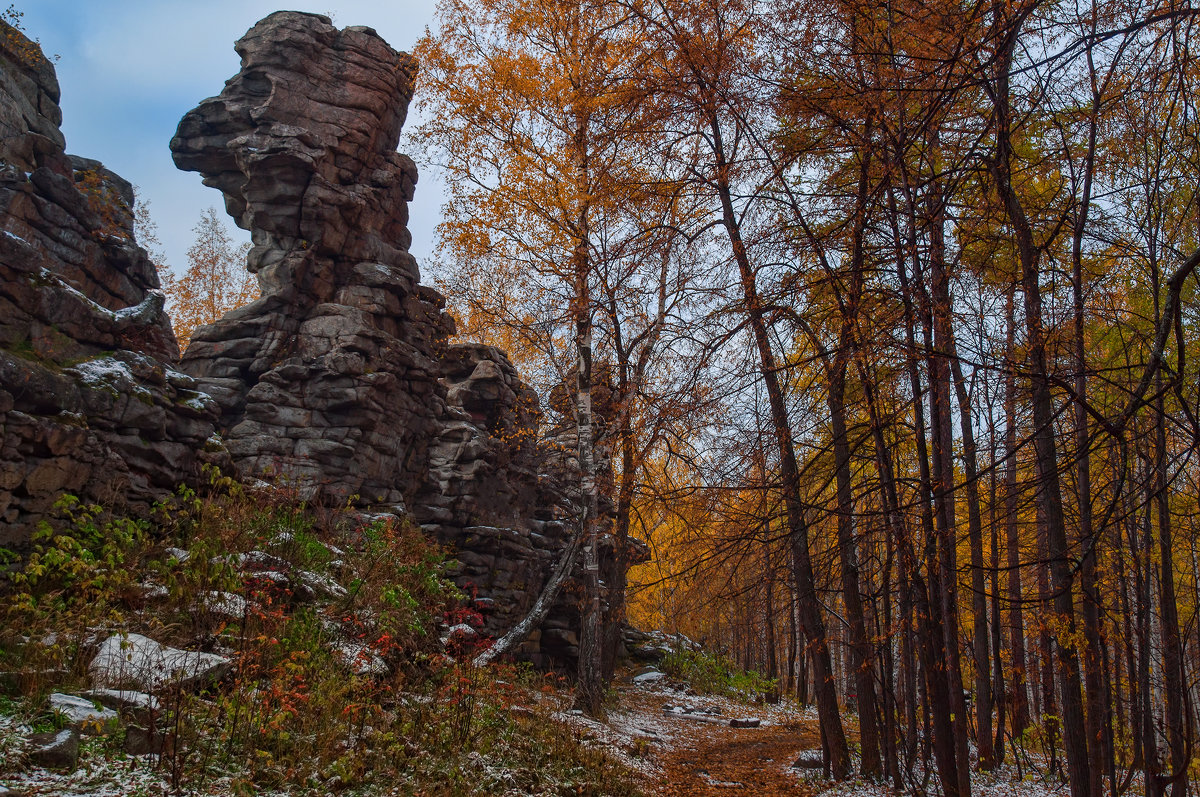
{"x": 215, "y": 282}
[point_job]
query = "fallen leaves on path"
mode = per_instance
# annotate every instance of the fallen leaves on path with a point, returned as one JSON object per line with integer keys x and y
{"x": 681, "y": 755}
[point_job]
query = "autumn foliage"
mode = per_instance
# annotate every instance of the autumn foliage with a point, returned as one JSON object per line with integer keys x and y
{"x": 895, "y": 305}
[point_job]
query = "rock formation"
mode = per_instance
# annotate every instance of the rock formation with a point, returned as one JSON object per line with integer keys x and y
{"x": 339, "y": 381}
{"x": 340, "y": 378}
{"x": 88, "y": 401}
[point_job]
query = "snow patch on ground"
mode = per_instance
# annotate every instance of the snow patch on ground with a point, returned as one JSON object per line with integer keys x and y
{"x": 1003, "y": 782}
{"x": 94, "y": 778}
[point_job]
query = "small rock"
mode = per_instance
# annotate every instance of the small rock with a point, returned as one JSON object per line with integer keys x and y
{"x": 153, "y": 592}
{"x": 809, "y": 759}
{"x": 360, "y": 659}
{"x": 322, "y": 585}
{"x": 745, "y": 722}
{"x": 178, "y": 554}
{"x": 55, "y": 750}
{"x": 649, "y": 677}
{"x": 141, "y": 706}
{"x": 143, "y": 741}
{"x": 457, "y": 632}
{"x": 83, "y": 715}
{"x": 140, "y": 663}
{"x": 226, "y": 604}
{"x": 256, "y": 561}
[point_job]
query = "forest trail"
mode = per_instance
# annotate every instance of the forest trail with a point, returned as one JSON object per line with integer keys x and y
{"x": 683, "y": 745}
{"x": 719, "y": 760}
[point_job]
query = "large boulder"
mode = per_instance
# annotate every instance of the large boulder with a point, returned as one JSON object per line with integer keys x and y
{"x": 136, "y": 662}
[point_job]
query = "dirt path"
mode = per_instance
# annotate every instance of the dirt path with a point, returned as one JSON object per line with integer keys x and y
{"x": 733, "y": 761}
{"x": 680, "y": 755}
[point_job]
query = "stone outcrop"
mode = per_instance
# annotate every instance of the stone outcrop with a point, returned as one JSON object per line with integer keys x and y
{"x": 340, "y": 379}
{"x": 88, "y": 401}
{"x": 331, "y": 378}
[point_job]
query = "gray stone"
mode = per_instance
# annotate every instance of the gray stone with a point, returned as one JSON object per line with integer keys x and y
{"x": 143, "y": 741}
{"x": 137, "y": 662}
{"x": 55, "y": 750}
{"x": 142, "y": 707}
{"x": 82, "y": 714}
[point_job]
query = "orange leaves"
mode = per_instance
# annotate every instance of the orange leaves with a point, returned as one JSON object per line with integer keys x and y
{"x": 215, "y": 282}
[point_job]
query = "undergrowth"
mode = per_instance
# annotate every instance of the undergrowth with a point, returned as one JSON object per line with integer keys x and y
{"x": 714, "y": 674}
{"x": 339, "y": 679}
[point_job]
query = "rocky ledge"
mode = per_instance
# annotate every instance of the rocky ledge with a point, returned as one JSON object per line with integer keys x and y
{"x": 89, "y": 401}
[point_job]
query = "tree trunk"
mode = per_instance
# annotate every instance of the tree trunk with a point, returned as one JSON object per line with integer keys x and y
{"x": 811, "y": 622}
{"x": 860, "y": 649}
{"x": 1016, "y": 623}
{"x": 590, "y": 686}
{"x": 1045, "y": 449}
{"x": 981, "y": 654}
{"x": 940, "y": 416}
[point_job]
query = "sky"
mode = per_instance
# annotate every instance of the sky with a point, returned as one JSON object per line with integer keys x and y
{"x": 130, "y": 69}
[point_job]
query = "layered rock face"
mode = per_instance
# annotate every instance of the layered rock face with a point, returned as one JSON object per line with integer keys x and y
{"x": 89, "y": 403}
{"x": 340, "y": 378}
{"x": 331, "y": 378}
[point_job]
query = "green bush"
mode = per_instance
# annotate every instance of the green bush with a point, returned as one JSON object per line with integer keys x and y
{"x": 291, "y": 716}
{"x": 714, "y": 674}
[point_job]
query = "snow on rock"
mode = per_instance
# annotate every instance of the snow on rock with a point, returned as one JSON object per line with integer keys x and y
{"x": 55, "y": 750}
{"x": 322, "y": 585}
{"x": 178, "y": 554}
{"x": 745, "y": 722}
{"x": 82, "y": 714}
{"x": 141, "y": 663}
{"x": 459, "y": 631}
{"x": 152, "y": 591}
{"x": 359, "y": 658}
{"x": 123, "y": 699}
{"x": 226, "y": 604}
{"x": 649, "y": 677}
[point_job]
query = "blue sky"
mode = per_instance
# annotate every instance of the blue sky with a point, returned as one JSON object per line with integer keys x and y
{"x": 130, "y": 69}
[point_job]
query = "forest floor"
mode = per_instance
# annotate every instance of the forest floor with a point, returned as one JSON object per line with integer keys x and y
{"x": 682, "y": 743}
{"x": 678, "y": 754}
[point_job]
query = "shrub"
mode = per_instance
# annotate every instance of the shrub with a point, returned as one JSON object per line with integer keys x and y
{"x": 714, "y": 674}
{"x": 294, "y": 715}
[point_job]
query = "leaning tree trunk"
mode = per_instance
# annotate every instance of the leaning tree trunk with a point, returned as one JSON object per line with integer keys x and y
{"x": 586, "y": 534}
{"x": 811, "y": 622}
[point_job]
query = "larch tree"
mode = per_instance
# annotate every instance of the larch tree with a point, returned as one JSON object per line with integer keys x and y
{"x": 215, "y": 281}
{"x": 527, "y": 112}
{"x": 709, "y": 58}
